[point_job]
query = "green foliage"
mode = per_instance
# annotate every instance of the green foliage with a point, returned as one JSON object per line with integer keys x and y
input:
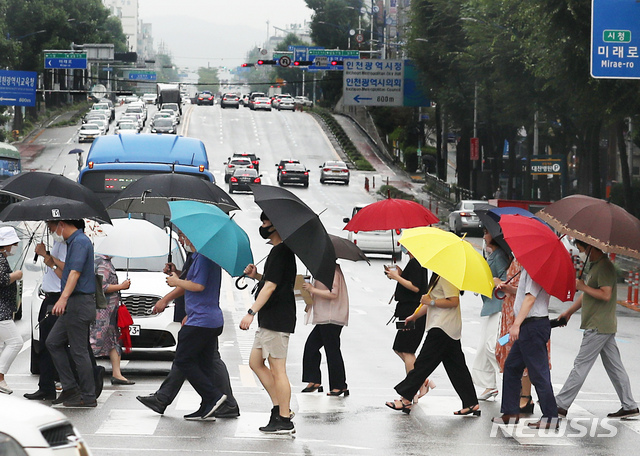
{"x": 410, "y": 155}
{"x": 394, "y": 192}
{"x": 208, "y": 79}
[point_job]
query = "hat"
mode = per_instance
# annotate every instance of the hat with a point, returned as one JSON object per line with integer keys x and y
{"x": 8, "y": 236}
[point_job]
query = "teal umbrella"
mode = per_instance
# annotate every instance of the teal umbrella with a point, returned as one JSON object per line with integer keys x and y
{"x": 213, "y": 234}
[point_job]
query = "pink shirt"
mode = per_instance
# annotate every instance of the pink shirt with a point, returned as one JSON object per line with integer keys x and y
{"x": 335, "y": 311}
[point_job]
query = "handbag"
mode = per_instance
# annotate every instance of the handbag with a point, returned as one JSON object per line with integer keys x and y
{"x": 125, "y": 320}
{"x": 101, "y": 299}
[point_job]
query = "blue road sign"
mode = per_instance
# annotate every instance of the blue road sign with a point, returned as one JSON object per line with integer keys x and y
{"x": 615, "y": 39}
{"x": 328, "y": 56}
{"x": 142, "y": 76}
{"x": 65, "y": 60}
{"x": 18, "y": 88}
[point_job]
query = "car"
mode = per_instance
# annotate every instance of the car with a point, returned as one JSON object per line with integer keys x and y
{"x": 263, "y": 103}
{"x": 105, "y": 108}
{"x": 381, "y": 242}
{"x": 334, "y": 171}
{"x": 164, "y": 126}
{"x": 94, "y": 115}
{"x": 244, "y": 100}
{"x": 174, "y": 107}
{"x": 294, "y": 173}
{"x": 255, "y": 160}
{"x": 231, "y": 165}
{"x": 103, "y": 124}
{"x": 230, "y": 100}
{"x": 163, "y": 115}
{"x": 149, "y": 98}
{"x": 286, "y": 103}
{"x": 205, "y": 97}
{"x": 111, "y": 107}
{"x": 253, "y": 96}
{"x": 282, "y": 163}
{"x": 89, "y": 132}
{"x": 171, "y": 113}
{"x": 130, "y": 99}
{"x": 137, "y": 110}
{"x": 463, "y": 217}
{"x": 135, "y": 118}
{"x": 126, "y": 128}
{"x": 241, "y": 179}
{"x": 303, "y": 101}
{"x": 31, "y": 428}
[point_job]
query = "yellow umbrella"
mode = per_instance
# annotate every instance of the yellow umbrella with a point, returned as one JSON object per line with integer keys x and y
{"x": 450, "y": 257}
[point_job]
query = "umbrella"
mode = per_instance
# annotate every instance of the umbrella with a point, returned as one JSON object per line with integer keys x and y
{"x": 38, "y": 183}
{"x": 542, "y": 254}
{"x": 48, "y": 208}
{"x": 490, "y": 216}
{"x": 150, "y": 194}
{"x": 596, "y": 222}
{"x": 347, "y": 250}
{"x": 300, "y": 229}
{"x": 132, "y": 238}
{"x": 213, "y": 234}
{"x": 451, "y": 257}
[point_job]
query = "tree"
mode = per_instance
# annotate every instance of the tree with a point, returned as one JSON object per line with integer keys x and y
{"x": 208, "y": 79}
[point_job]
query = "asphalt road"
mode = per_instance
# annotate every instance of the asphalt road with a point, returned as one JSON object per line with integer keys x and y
{"x": 356, "y": 425}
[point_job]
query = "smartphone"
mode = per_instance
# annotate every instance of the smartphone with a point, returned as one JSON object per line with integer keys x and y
{"x": 504, "y": 339}
{"x": 400, "y": 324}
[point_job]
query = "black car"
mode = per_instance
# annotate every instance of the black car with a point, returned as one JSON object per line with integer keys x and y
{"x": 283, "y": 162}
{"x": 205, "y": 97}
{"x": 241, "y": 179}
{"x": 294, "y": 173}
{"x": 255, "y": 161}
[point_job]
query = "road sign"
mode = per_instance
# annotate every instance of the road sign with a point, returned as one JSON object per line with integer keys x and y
{"x": 330, "y": 55}
{"x": 18, "y": 88}
{"x": 359, "y": 38}
{"x": 141, "y": 75}
{"x": 321, "y": 61}
{"x": 475, "y": 149}
{"x": 284, "y": 61}
{"x": 65, "y": 60}
{"x": 550, "y": 165}
{"x": 373, "y": 82}
{"x": 615, "y": 39}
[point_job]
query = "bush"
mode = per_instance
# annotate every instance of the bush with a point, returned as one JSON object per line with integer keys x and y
{"x": 394, "y": 192}
{"x": 410, "y": 154}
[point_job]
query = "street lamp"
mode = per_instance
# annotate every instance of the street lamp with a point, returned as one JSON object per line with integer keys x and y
{"x": 9, "y": 37}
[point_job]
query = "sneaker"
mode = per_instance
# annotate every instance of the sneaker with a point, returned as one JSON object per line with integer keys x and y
{"x": 622, "y": 413}
{"x": 195, "y": 416}
{"x": 4, "y": 388}
{"x": 210, "y": 408}
{"x": 65, "y": 395}
{"x": 153, "y": 403}
{"x": 227, "y": 411}
{"x": 279, "y": 425}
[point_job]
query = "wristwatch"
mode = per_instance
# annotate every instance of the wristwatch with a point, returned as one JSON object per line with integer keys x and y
{"x": 54, "y": 266}
{"x": 251, "y": 312}
{"x": 432, "y": 303}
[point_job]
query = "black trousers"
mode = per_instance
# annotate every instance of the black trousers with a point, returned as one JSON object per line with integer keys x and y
{"x": 48, "y": 374}
{"x": 327, "y": 336}
{"x": 439, "y": 348}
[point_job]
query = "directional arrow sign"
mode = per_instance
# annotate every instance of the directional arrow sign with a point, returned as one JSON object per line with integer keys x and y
{"x": 18, "y": 88}
{"x": 358, "y": 98}
{"x": 372, "y": 82}
{"x": 68, "y": 60}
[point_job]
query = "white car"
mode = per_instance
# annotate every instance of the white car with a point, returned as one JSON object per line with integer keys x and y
{"x": 126, "y": 128}
{"x": 376, "y": 242}
{"x": 304, "y": 101}
{"x": 262, "y": 103}
{"x": 89, "y": 132}
{"x": 149, "y": 98}
{"x": 103, "y": 124}
{"x": 29, "y": 428}
{"x": 284, "y": 103}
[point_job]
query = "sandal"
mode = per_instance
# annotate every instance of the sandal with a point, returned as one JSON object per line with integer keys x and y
{"x": 313, "y": 387}
{"x": 399, "y": 404}
{"x": 474, "y": 410}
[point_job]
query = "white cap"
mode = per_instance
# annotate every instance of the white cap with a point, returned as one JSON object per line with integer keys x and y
{"x": 8, "y": 236}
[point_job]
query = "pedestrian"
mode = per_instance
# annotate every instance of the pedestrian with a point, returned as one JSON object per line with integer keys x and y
{"x": 329, "y": 313}
{"x": 10, "y": 339}
{"x": 276, "y": 308}
{"x": 485, "y": 366}
{"x": 498, "y": 193}
{"x": 442, "y": 346}
{"x": 104, "y": 333}
{"x": 598, "y": 302}
{"x": 53, "y": 266}
{"x": 171, "y": 385}
{"x": 530, "y": 334}
{"x": 76, "y": 309}
{"x": 198, "y": 337}
{"x": 412, "y": 284}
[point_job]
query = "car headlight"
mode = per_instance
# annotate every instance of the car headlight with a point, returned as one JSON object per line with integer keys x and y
{"x": 9, "y": 447}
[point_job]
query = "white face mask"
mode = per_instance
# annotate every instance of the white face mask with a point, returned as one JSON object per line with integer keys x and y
{"x": 11, "y": 250}
{"x": 188, "y": 248}
{"x": 57, "y": 237}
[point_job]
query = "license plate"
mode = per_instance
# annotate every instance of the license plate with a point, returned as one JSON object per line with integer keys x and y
{"x": 134, "y": 330}
{"x": 336, "y": 171}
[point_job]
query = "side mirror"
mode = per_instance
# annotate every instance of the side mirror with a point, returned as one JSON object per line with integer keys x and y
{"x": 320, "y": 166}
{"x": 346, "y": 220}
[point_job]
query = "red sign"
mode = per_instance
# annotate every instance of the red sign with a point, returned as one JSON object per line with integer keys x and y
{"x": 475, "y": 149}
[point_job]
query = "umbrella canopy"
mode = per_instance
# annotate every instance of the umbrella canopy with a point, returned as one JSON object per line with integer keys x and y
{"x": 150, "y": 194}
{"x": 596, "y": 222}
{"x": 38, "y": 183}
{"x": 490, "y": 216}
{"x": 213, "y": 234}
{"x": 450, "y": 257}
{"x": 132, "y": 238}
{"x": 300, "y": 229}
{"x": 542, "y": 254}
{"x": 391, "y": 214}
{"x": 48, "y": 208}
{"x": 347, "y": 250}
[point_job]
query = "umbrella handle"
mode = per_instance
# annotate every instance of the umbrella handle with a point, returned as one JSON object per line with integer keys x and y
{"x": 244, "y": 283}
{"x": 502, "y": 294}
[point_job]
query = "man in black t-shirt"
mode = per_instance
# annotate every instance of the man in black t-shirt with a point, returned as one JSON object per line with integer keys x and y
{"x": 275, "y": 306}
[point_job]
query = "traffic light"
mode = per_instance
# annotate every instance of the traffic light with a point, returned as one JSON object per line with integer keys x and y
{"x": 303, "y": 63}
{"x": 247, "y": 64}
{"x": 266, "y": 62}
{"x": 337, "y": 62}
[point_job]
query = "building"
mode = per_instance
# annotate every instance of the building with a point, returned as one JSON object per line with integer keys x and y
{"x": 127, "y": 12}
{"x": 145, "y": 42}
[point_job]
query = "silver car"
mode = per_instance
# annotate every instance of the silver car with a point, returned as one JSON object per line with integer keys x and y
{"x": 335, "y": 171}
{"x": 233, "y": 164}
{"x": 463, "y": 218}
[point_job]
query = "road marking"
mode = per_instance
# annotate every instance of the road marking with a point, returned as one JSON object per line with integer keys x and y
{"x": 130, "y": 422}
{"x": 247, "y": 377}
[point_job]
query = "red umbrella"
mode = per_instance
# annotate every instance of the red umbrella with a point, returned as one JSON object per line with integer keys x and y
{"x": 542, "y": 254}
{"x": 391, "y": 214}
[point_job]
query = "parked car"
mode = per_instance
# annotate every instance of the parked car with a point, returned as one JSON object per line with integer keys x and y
{"x": 303, "y": 101}
{"x": 231, "y": 165}
{"x": 263, "y": 103}
{"x": 126, "y": 128}
{"x": 205, "y": 97}
{"x": 164, "y": 126}
{"x": 30, "y": 428}
{"x": 375, "y": 242}
{"x": 255, "y": 160}
{"x": 334, "y": 171}
{"x": 230, "y": 100}
{"x": 463, "y": 217}
{"x": 294, "y": 173}
{"x": 89, "y": 132}
{"x": 282, "y": 162}
{"x": 241, "y": 179}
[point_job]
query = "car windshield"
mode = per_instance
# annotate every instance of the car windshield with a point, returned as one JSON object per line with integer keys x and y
{"x": 172, "y": 106}
{"x": 242, "y": 162}
{"x": 89, "y": 127}
{"x": 128, "y": 126}
{"x": 294, "y": 167}
{"x": 135, "y": 109}
{"x": 163, "y": 123}
{"x": 246, "y": 172}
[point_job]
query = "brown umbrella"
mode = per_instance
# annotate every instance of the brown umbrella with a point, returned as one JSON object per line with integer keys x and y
{"x": 347, "y": 250}
{"x": 596, "y": 222}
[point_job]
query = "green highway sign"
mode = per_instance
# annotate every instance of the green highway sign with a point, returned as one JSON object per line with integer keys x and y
{"x": 335, "y": 52}
{"x": 616, "y": 36}
{"x": 65, "y": 55}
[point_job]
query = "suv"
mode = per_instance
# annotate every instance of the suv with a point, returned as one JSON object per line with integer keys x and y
{"x": 377, "y": 242}
{"x": 294, "y": 173}
{"x": 231, "y": 165}
{"x": 230, "y": 100}
{"x": 463, "y": 217}
{"x": 254, "y": 160}
{"x": 283, "y": 162}
{"x": 205, "y": 97}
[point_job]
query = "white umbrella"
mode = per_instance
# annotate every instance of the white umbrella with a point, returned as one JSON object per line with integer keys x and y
{"x": 132, "y": 238}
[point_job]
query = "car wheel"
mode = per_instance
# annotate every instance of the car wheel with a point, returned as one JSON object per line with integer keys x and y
{"x": 306, "y": 184}
{"x": 230, "y": 190}
{"x": 346, "y": 183}
{"x": 238, "y": 107}
{"x": 398, "y": 256}
{"x": 226, "y": 178}
{"x": 280, "y": 183}
{"x": 322, "y": 181}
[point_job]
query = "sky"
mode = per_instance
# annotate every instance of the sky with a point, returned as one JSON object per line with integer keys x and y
{"x": 216, "y": 33}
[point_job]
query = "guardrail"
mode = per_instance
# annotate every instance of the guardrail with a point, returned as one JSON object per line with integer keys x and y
{"x": 445, "y": 190}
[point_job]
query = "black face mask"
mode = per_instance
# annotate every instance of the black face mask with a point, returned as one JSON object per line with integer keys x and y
{"x": 266, "y": 231}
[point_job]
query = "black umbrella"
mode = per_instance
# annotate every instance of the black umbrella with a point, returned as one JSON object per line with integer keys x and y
{"x": 150, "y": 194}
{"x": 347, "y": 250}
{"x": 48, "y": 208}
{"x": 38, "y": 183}
{"x": 300, "y": 229}
{"x": 490, "y": 222}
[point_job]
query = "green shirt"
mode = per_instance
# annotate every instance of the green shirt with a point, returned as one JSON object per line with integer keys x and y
{"x": 596, "y": 313}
